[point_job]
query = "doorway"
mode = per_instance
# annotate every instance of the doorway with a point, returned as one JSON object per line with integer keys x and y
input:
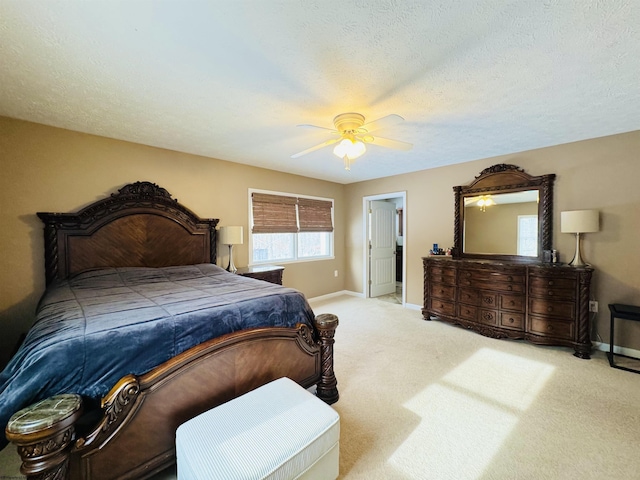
{"x": 384, "y": 232}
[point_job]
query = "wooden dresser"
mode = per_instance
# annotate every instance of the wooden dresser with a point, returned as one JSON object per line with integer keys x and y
{"x": 543, "y": 303}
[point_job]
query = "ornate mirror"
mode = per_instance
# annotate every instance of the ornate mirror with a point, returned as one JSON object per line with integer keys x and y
{"x": 504, "y": 214}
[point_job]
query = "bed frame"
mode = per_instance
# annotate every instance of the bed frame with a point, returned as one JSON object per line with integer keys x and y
{"x": 133, "y": 433}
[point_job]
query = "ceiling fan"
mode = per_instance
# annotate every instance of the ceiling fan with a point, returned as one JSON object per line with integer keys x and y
{"x": 352, "y": 133}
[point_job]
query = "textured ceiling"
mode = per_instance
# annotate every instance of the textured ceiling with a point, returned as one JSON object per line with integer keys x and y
{"x": 232, "y": 79}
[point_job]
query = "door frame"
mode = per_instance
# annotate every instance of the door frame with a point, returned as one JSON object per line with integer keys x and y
{"x": 365, "y": 240}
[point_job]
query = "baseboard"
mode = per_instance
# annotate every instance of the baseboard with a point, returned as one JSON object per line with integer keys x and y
{"x": 412, "y": 306}
{"x": 336, "y": 294}
{"x": 629, "y": 352}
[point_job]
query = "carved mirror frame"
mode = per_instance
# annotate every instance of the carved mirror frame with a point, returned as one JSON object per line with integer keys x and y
{"x": 505, "y": 178}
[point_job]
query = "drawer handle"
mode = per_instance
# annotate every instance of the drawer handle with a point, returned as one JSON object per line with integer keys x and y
{"x": 467, "y": 312}
{"x": 550, "y": 282}
{"x": 509, "y": 288}
{"x": 487, "y": 316}
{"x": 441, "y": 291}
{"x": 549, "y": 309}
{"x": 441, "y": 306}
{"x": 511, "y": 320}
{"x": 550, "y": 293}
{"x": 512, "y": 303}
{"x": 550, "y": 328}
{"x": 510, "y": 278}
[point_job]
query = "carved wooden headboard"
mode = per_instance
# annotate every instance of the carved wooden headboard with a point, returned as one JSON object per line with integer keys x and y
{"x": 140, "y": 226}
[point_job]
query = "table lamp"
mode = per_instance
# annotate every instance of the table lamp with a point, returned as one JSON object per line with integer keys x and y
{"x": 579, "y": 221}
{"x": 231, "y": 236}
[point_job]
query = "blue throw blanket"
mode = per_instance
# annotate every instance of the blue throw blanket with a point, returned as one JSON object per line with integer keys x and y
{"x": 101, "y": 325}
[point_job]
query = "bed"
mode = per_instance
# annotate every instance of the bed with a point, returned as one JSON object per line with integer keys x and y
{"x": 139, "y": 321}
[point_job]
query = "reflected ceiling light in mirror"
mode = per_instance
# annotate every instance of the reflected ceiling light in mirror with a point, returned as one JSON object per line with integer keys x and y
{"x": 484, "y": 202}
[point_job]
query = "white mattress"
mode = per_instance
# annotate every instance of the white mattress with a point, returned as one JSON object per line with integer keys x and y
{"x": 276, "y": 432}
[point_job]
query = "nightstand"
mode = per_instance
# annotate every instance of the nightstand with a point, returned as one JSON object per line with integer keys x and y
{"x": 268, "y": 273}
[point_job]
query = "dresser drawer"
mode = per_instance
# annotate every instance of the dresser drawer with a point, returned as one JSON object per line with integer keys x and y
{"x": 469, "y": 296}
{"x": 564, "y": 310}
{"x": 442, "y": 307}
{"x": 444, "y": 279}
{"x": 439, "y": 290}
{"x": 512, "y": 302}
{"x": 442, "y": 271}
{"x": 468, "y": 312}
{"x": 553, "y": 293}
{"x": 488, "y": 317}
{"x": 474, "y": 276}
{"x": 551, "y": 328}
{"x": 546, "y": 282}
{"x": 489, "y": 299}
{"x": 505, "y": 287}
{"x": 493, "y": 285}
{"x": 514, "y": 321}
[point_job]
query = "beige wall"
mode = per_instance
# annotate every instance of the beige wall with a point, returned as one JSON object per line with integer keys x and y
{"x": 597, "y": 174}
{"x": 54, "y": 170}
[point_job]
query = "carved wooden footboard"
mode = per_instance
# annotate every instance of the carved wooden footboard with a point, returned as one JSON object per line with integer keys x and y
{"x": 135, "y": 436}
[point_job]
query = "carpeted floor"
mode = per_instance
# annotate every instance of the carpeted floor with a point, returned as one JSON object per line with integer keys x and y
{"x": 426, "y": 400}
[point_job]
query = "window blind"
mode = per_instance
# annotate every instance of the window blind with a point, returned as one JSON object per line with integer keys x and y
{"x": 314, "y": 215}
{"x": 274, "y": 213}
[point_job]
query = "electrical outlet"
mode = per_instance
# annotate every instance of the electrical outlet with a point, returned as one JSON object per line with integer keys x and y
{"x": 335, "y": 273}
{"x": 593, "y": 306}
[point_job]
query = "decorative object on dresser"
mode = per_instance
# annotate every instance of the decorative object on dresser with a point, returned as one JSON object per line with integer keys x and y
{"x": 502, "y": 294}
{"x": 268, "y": 273}
{"x": 231, "y": 236}
{"x": 579, "y": 221}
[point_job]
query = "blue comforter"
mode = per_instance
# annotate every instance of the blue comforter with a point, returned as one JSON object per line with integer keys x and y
{"x": 95, "y": 328}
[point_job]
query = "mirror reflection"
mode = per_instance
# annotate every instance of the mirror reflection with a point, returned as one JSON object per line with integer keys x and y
{"x": 502, "y": 223}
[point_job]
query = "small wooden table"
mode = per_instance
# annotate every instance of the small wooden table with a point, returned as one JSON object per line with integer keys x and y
{"x": 268, "y": 273}
{"x": 625, "y": 312}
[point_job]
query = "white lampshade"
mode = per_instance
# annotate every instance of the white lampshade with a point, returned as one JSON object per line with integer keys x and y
{"x": 580, "y": 221}
{"x": 231, "y": 235}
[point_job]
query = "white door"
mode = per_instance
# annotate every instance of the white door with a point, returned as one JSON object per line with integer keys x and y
{"x": 382, "y": 250}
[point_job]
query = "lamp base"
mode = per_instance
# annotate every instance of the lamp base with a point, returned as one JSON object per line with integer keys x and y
{"x": 231, "y": 267}
{"x": 577, "y": 259}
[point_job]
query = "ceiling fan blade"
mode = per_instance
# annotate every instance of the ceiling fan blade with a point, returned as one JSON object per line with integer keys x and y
{"x": 386, "y": 142}
{"x": 332, "y": 130}
{"x": 317, "y": 147}
{"x": 383, "y": 122}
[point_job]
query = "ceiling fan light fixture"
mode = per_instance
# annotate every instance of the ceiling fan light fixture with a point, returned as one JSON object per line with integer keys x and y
{"x": 349, "y": 148}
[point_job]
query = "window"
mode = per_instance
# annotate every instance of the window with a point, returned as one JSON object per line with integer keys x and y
{"x": 289, "y": 228}
{"x": 528, "y": 235}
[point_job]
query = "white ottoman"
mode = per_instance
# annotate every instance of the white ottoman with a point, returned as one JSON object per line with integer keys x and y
{"x": 277, "y": 431}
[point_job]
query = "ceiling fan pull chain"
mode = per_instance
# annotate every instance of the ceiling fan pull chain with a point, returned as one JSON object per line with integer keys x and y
{"x": 347, "y": 162}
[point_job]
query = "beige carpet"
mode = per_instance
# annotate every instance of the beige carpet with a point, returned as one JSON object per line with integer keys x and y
{"x": 426, "y": 400}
